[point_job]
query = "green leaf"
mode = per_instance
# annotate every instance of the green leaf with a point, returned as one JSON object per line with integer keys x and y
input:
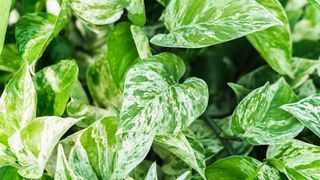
{"x": 141, "y": 41}
{"x": 239, "y": 91}
{"x": 152, "y": 173}
{"x": 274, "y": 44}
{"x": 155, "y": 102}
{"x": 122, "y": 52}
{"x": 4, "y": 14}
{"x": 17, "y": 104}
{"x": 240, "y": 167}
{"x": 63, "y": 169}
{"x": 35, "y": 142}
{"x": 78, "y": 94}
{"x": 9, "y": 173}
{"x": 35, "y": 31}
{"x": 88, "y": 113}
{"x": 98, "y": 12}
{"x": 54, "y": 85}
{"x": 307, "y": 112}
{"x": 194, "y": 24}
{"x": 207, "y": 137}
{"x": 308, "y": 88}
{"x": 10, "y": 60}
{"x": 101, "y": 85}
{"x": 191, "y": 152}
{"x": 297, "y": 159}
{"x": 302, "y": 68}
{"x": 7, "y": 158}
{"x": 315, "y": 3}
{"x": 259, "y": 119}
{"x": 136, "y": 12}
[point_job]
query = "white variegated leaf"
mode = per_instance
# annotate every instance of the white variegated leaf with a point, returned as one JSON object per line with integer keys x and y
{"x": 274, "y": 44}
{"x": 6, "y": 156}
{"x": 141, "y": 41}
{"x": 191, "y": 152}
{"x": 17, "y": 104}
{"x": 307, "y": 111}
{"x": 152, "y": 173}
{"x": 35, "y": 142}
{"x": 35, "y": 31}
{"x": 194, "y": 23}
{"x": 155, "y": 102}
{"x": 136, "y": 12}
{"x": 63, "y": 169}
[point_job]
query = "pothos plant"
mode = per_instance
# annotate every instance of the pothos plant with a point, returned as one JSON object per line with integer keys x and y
{"x": 133, "y": 89}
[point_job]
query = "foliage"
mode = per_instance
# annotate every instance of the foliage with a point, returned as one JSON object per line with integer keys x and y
{"x": 159, "y": 89}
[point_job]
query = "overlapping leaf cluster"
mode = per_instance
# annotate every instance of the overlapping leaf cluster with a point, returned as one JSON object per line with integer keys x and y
{"x": 166, "y": 89}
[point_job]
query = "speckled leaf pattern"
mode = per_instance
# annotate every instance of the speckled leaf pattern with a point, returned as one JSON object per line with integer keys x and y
{"x": 274, "y": 44}
{"x": 88, "y": 113}
{"x": 179, "y": 145}
{"x": 154, "y": 101}
{"x": 98, "y": 12}
{"x": 54, "y": 84}
{"x": 35, "y": 31}
{"x": 4, "y": 16}
{"x": 297, "y": 159}
{"x": 17, "y": 104}
{"x": 136, "y": 12}
{"x": 6, "y": 156}
{"x": 141, "y": 41}
{"x": 241, "y": 167}
{"x": 101, "y": 85}
{"x": 195, "y": 24}
{"x": 152, "y": 173}
{"x": 207, "y": 137}
{"x": 307, "y": 111}
{"x": 259, "y": 119}
{"x": 63, "y": 169}
{"x": 103, "y": 155}
{"x": 122, "y": 52}
{"x": 302, "y": 68}
{"x": 35, "y": 142}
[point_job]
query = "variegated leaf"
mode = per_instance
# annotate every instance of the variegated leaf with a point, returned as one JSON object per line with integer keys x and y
{"x": 88, "y": 113}
{"x": 194, "y": 24}
{"x": 78, "y": 93}
{"x": 207, "y": 137}
{"x": 307, "y": 111}
{"x": 241, "y": 167}
{"x": 259, "y": 119}
{"x": 54, "y": 85}
{"x": 315, "y": 3}
{"x": 122, "y": 52}
{"x": 4, "y": 16}
{"x": 35, "y": 142}
{"x": 136, "y": 12}
{"x": 17, "y": 104}
{"x": 141, "y": 41}
{"x": 35, "y": 31}
{"x": 101, "y": 85}
{"x": 152, "y": 173}
{"x": 98, "y": 12}
{"x": 155, "y": 102}
{"x": 274, "y": 44}
{"x": 191, "y": 152}
{"x": 7, "y": 158}
{"x": 63, "y": 169}
{"x": 302, "y": 68}
{"x": 239, "y": 91}
{"x": 296, "y": 159}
